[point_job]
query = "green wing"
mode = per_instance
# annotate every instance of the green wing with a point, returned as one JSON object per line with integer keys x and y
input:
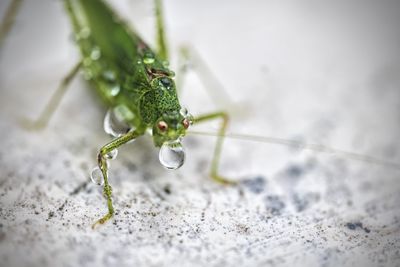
{"x": 96, "y": 22}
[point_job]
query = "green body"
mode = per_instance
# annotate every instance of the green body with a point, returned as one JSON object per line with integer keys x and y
{"x": 131, "y": 77}
{"x": 122, "y": 67}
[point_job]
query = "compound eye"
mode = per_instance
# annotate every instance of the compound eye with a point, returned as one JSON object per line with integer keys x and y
{"x": 186, "y": 123}
{"x": 162, "y": 126}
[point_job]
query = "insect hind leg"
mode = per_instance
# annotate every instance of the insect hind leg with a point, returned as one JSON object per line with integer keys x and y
{"x": 9, "y": 19}
{"x": 162, "y": 49}
{"x": 51, "y": 106}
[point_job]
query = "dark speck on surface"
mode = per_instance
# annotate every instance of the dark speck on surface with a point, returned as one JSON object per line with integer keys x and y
{"x": 255, "y": 185}
{"x": 304, "y": 201}
{"x": 167, "y": 189}
{"x": 274, "y": 204}
{"x": 355, "y": 225}
{"x": 295, "y": 170}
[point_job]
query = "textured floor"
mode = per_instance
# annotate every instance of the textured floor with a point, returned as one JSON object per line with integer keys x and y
{"x": 313, "y": 73}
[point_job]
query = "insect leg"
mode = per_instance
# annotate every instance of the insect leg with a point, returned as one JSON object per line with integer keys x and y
{"x": 102, "y": 163}
{"x": 218, "y": 147}
{"x": 162, "y": 49}
{"x": 9, "y": 18}
{"x": 54, "y": 101}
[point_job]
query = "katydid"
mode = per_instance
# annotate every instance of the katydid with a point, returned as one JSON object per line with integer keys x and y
{"x": 138, "y": 87}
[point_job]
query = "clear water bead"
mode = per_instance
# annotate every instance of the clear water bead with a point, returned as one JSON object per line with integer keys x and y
{"x": 172, "y": 155}
{"x": 95, "y": 54}
{"x": 84, "y": 33}
{"x": 114, "y": 123}
{"x": 97, "y": 176}
{"x": 183, "y": 111}
{"x": 108, "y": 75}
{"x": 112, "y": 154}
{"x": 114, "y": 90}
{"x": 148, "y": 60}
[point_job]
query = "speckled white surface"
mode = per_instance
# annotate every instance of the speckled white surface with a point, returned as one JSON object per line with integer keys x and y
{"x": 322, "y": 73}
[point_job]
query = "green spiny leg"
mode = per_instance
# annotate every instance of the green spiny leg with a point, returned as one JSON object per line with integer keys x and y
{"x": 162, "y": 49}
{"x": 218, "y": 147}
{"x": 54, "y": 101}
{"x": 9, "y": 18}
{"x": 102, "y": 163}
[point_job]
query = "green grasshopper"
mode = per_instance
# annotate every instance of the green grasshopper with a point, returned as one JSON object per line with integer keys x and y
{"x": 136, "y": 84}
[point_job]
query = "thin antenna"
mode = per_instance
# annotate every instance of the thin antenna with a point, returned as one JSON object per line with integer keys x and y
{"x": 304, "y": 146}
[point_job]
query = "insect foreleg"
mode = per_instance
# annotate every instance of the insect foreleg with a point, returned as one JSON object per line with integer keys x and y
{"x": 218, "y": 147}
{"x": 44, "y": 117}
{"x": 103, "y": 166}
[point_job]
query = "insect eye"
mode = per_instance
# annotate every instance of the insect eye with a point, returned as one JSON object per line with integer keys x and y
{"x": 162, "y": 126}
{"x": 186, "y": 123}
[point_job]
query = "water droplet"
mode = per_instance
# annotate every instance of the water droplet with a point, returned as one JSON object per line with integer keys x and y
{"x": 172, "y": 155}
{"x": 95, "y": 54}
{"x": 114, "y": 121}
{"x": 97, "y": 176}
{"x": 148, "y": 58}
{"x": 165, "y": 63}
{"x": 183, "y": 111}
{"x": 112, "y": 154}
{"x": 84, "y": 33}
{"x": 115, "y": 90}
{"x": 109, "y": 75}
{"x": 166, "y": 83}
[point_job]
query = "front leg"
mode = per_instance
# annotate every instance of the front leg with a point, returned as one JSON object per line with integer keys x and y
{"x": 218, "y": 147}
{"x": 102, "y": 157}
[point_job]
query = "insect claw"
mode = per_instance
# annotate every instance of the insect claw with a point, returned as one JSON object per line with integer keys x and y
{"x": 223, "y": 180}
{"x": 102, "y": 220}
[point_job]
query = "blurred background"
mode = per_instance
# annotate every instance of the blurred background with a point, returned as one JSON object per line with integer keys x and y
{"x": 317, "y": 72}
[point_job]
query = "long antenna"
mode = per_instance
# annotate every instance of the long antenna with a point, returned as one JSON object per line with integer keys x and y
{"x": 301, "y": 145}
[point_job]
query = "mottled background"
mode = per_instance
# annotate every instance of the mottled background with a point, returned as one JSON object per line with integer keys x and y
{"x": 315, "y": 71}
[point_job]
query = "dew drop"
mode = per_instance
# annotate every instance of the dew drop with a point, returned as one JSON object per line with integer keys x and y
{"x": 95, "y": 54}
{"x": 84, "y": 33}
{"x": 172, "y": 155}
{"x": 183, "y": 111}
{"x": 165, "y": 63}
{"x": 109, "y": 75}
{"x": 97, "y": 176}
{"x": 166, "y": 83}
{"x": 148, "y": 58}
{"x": 112, "y": 154}
{"x": 114, "y": 90}
{"x": 114, "y": 121}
